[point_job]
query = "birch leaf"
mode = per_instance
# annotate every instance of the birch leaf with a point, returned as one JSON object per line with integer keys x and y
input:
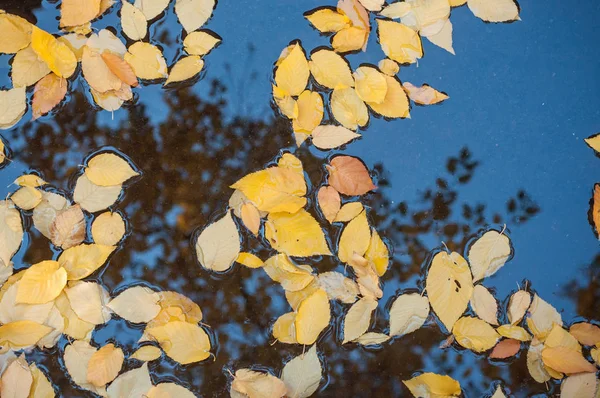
{"x": 395, "y": 104}
{"x": 218, "y": 245}
{"x": 372, "y": 338}
{"x": 371, "y": 84}
{"x": 257, "y": 384}
{"x": 182, "y": 341}
{"x": 94, "y": 197}
{"x": 132, "y": 384}
{"x": 518, "y": 306}
{"x": 349, "y": 176}
{"x": 249, "y": 260}
{"x": 151, "y": 8}
{"x": 484, "y": 305}
{"x": 399, "y": 42}
{"x": 488, "y": 254}
{"x": 292, "y": 71}
{"x": 75, "y": 12}
{"x": 330, "y": 69}
{"x": 41, "y": 283}
{"x": 284, "y": 328}
{"x": 348, "y": 109}
{"x": 358, "y": 318}
{"x": 313, "y": 316}
{"x": 22, "y": 334}
{"x": 542, "y": 317}
{"x": 108, "y": 169}
{"x": 329, "y": 202}
{"x": 408, "y": 313}
{"x": 68, "y": 228}
{"x": 146, "y": 60}
{"x": 88, "y": 300}
{"x": 292, "y": 277}
{"x": 494, "y": 10}
{"x": 57, "y": 55}
{"x": 76, "y": 358}
{"x": 133, "y": 21}
{"x": 566, "y": 360}
{"x": 147, "y": 353}
{"x": 355, "y": 238}
{"x": 137, "y": 304}
{"x": 104, "y": 365}
{"x": 185, "y": 68}
{"x": 433, "y": 385}
{"x": 297, "y": 234}
{"x": 200, "y": 42}
{"x": 27, "y": 68}
{"x": 330, "y": 136}
{"x": 11, "y": 231}
{"x": 12, "y": 106}
{"x": 310, "y": 112}
{"x": 108, "y": 229}
{"x": 192, "y": 14}
{"x": 41, "y": 386}
{"x": 505, "y": 349}
{"x": 348, "y": 212}
{"x": 83, "y": 260}
{"x": 302, "y": 375}
{"x": 474, "y": 334}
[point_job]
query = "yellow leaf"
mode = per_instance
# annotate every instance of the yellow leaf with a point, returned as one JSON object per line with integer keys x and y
{"x": 169, "y": 390}
{"x": 424, "y": 95}
{"x": 518, "y": 305}
{"x": 16, "y": 33}
{"x": 97, "y": 73}
{"x": 146, "y": 60}
{"x": 292, "y": 72}
{"x": 592, "y": 141}
{"x": 77, "y": 12}
{"x": 371, "y": 84}
{"x": 88, "y": 300}
{"x": 17, "y": 379}
{"x": 275, "y": 189}
{"x": 338, "y": 287}
{"x": 534, "y": 362}
{"x": 350, "y": 39}
{"x": 542, "y": 317}
{"x": 329, "y": 136}
{"x": 484, "y": 305}
{"x": 397, "y": 10}
{"x": 378, "y": 253}
{"x": 488, "y": 254}
{"x": 94, "y": 197}
{"x": 11, "y": 231}
{"x": 201, "y": 42}
{"x": 372, "y": 5}
{"x": 297, "y": 297}
{"x": 13, "y": 105}
{"x": 302, "y": 375}
{"x": 146, "y": 353}
{"x": 372, "y": 338}
{"x": 137, "y": 304}
{"x": 358, "y": 319}
{"x": 427, "y": 16}
{"x": 330, "y": 69}
{"x": 76, "y": 358}
{"x": 133, "y": 21}
{"x": 513, "y": 332}
{"x": 108, "y": 229}
{"x": 182, "y": 341}
{"x": 56, "y": 54}
{"x": 586, "y": 333}
{"x": 108, "y": 169}
{"x": 566, "y": 360}
{"x": 583, "y": 385}
{"x": 355, "y": 11}
{"x": 27, "y": 68}
{"x": 26, "y": 198}
{"x": 433, "y": 385}
{"x": 151, "y": 8}
{"x": 249, "y": 260}
{"x": 355, "y": 238}
{"x": 257, "y": 384}
{"x": 443, "y": 38}
{"x": 284, "y": 329}
{"x": 474, "y": 334}
{"x": 104, "y": 365}
{"x": 297, "y": 234}
{"x": 348, "y": 108}
{"x": 291, "y": 277}
{"x": 327, "y": 20}
{"x": 387, "y": 66}
{"x": 22, "y": 334}
{"x": 399, "y": 42}
{"x": 10, "y": 311}
{"x": 41, "y": 386}
{"x": 559, "y": 337}
{"x": 310, "y": 112}
{"x": 185, "y": 68}
{"x": 313, "y": 316}
{"x": 112, "y": 100}
{"x": 74, "y": 326}
{"x": 449, "y": 286}
{"x": 408, "y": 313}
{"x": 176, "y": 307}
{"x": 457, "y": 3}
{"x": 395, "y": 104}
{"x": 494, "y": 10}
{"x": 82, "y": 260}
{"x": 192, "y": 14}
{"x": 218, "y": 245}
{"x": 286, "y": 103}
{"x": 349, "y": 211}
{"x": 135, "y": 383}
{"x": 105, "y": 40}
{"x": 75, "y": 42}
{"x": 41, "y": 283}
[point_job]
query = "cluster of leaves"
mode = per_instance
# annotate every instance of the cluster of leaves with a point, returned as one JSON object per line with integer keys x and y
{"x": 50, "y": 299}
{"x": 109, "y": 67}
{"x": 594, "y": 212}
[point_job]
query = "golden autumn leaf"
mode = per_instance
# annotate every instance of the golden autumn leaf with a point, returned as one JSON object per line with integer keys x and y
{"x": 399, "y": 42}
{"x": 137, "y": 304}
{"x": 251, "y": 218}
{"x": 201, "y": 42}
{"x": 449, "y": 286}
{"x": 77, "y": 12}
{"x": 16, "y": 379}
{"x": 134, "y": 383}
{"x": 147, "y": 353}
{"x": 505, "y": 349}
{"x": 474, "y": 334}
{"x": 350, "y": 39}
{"x": 45, "y": 213}
{"x": 443, "y": 38}
{"x": 594, "y": 212}
{"x": 542, "y": 318}
{"x": 408, "y": 313}
{"x": 586, "y": 333}
{"x": 312, "y": 317}
{"x": 22, "y": 334}
{"x": 286, "y": 103}
{"x": 348, "y": 109}
{"x": 433, "y": 385}
{"x": 169, "y": 390}
{"x": 108, "y": 229}
{"x": 192, "y": 14}
{"x": 292, "y": 277}
{"x": 302, "y": 375}
{"x": 257, "y": 384}
{"x": 175, "y": 306}
{"x": 27, "y": 68}
{"x": 185, "y": 68}
{"x": 488, "y": 254}
{"x": 41, "y": 386}
{"x": 218, "y": 245}
{"x": 371, "y": 84}
{"x": 26, "y": 198}
{"x": 330, "y": 69}
{"x": 297, "y": 234}
{"x": 41, "y": 283}
{"x": 518, "y": 305}
{"x": 83, "y": 260}
{"x": 327, "y": 19}
{"x": 377, "y": 253}
{"x": 310, "y": 112}
{"x": 133, "y": 21}
{"x": 387, "y": 66}
{"x": 424, "y": 95}
{"x": 514, "y": 332}
{"x": 68, "y": 228}
{"x": 329, "y": 202}
{"x": 395, "y": 104}
{"x": 16, "y": 33}
{"x": 566, "y": 360}
{"x": 77, "y": 356}
{"x": 372, "y": 338}
{"x": 104, "y": 365}
{"x": 355, "y": 238}
{"x": 94, "y": 197}
{"x": 593, "y": 142}
{"x": 427, "y": 16}
{"x": 358, "y": 319}
{"x": 108, "y": 169}
{"x": 349, "y": 176}
{"x": 57, "y": 55}
{"x": 13, "y": 105}
{"x": 182, "y": 341}
{"x": 284, "y": 329}
{"x": 48, "y": 93}
{"x": 494, "y": 10}
{"x": 30, "y": 180}
{"x": 329, "y": 136}
{"x": 349, "y": 211}
{"x": 295, "y": 298}
{"x": 484, "y": 305}
{"x": 146, "y": 60}
{"x": 88, "y": 300}
{"x": 292, "y": 71}
{"x": 120, "y": 68}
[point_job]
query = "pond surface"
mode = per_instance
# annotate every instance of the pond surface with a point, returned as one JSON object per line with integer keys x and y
{"x": 506, "y": 148}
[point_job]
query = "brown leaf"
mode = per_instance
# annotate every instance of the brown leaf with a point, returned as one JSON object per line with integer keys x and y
{"x": 505, "y": 349}
{"x": 329, "y": 202}
{"x": 48, "y": 93}
{"x": 120, "y": 68}
{"x": 349, "y": 176}
{"x": 68, "y": 228}
{"x": 586, "y": 333}
{"x": 594, "y": 213}
{"x": 566, "y": 360}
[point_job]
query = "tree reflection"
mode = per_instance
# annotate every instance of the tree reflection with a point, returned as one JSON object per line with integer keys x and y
{"x": 188, "y": 161}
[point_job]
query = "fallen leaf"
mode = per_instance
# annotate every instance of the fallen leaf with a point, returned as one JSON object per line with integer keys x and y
{"x": 582, "y": 385}
{"x": 76, "y": 357}
{"x": 348, "y": 212}
{"x": 371, "y": 84}
{"x": 192, "y": 14}
{"x": 48, "y": 93}
{"x": 330, "y": 136}
{"x": 534, "y": 362}
{"x": 13, "y": 105}
{"x": 443, "y": 38}
{"x": 104, "y": 365}
{"x": 88, "y": 300}
{"x": 387, "y": 66}
{"x": 513, "y": 332}
{"x": 97, "y": 72}
{"x": 302, "y": 375}
{"x": 108, "y": 229}
{"x": 310, "y": 112}
{"x": 542, "y": 317}
{"x": 424, "y": 95}
{"x": 284, "y": 328}
{"x": 105, "y": 40}
{"x": 185, "y": 68}
{"x": 312, "y": 317}
{"x": 484, "y": 305}
{"x": 297, "y": 234}
{"x": 372, "y": 338}
{"x": 433, "y": 385}
{"x": 107, "y": 169}
{"x": 17, "y": 379}
{"x": 151, "y": 8}
{"x": 396, "y": 10}
{"x": 134, "y": 384}
{"x": 474, "y": 334}
{"x": 41, "y": 386}
{"x": 327, "y": 19}
{"x": 291, "y": 276}
{"x": 592, "y": 141}
{"x": 94, "y": 197}
{"x": 181, "y": 341}
{"x": 82, "y": 260}
{"x": 56, "y": 54}
{"x": 399, "y": 42}
{"x": 292, "y": 71}
{"x": 169, "y": 390}
{"x": 338, "y": 287}
{"x": 27, "y": 68}
{"x": 348, "y": 109}
{"x": 349, "y": 176}
{"x": 594, "y": 212}
{"x": 76, "y": 12}
{"x": 218, "y": 245}
{"x": 518, "y": 306}
{"x": 498, "y": 393}
{"x": 586, "y": 333}
{"x": 377, "y": 253}
{"x": 372, "y": 5}
{"x": 505, "y": 349}
{"x": 10, "y": 311}
{"x": 358, "y": 319}
{"x": 249, "y": 260}
{"x": 26, "y": 198}
{"x": 16, "y": 33}
{"x": 329, "y": 202}
{"x": 566, "y": 360}
{"x": 72, "y": 325}
{"x": 120, "y": 68}
{"x": 408, "y": 313}
{"x": 494, "y": 10}
{"x": 41, "y": 283}
{"x": 147, "y": 353}
{"x": 68, "y": 228}
{"x": 137, "y": 304}
{"x": 201, "y": 42}
{"x": 133, "y": 21}
{"x": 146, "y": 60}
{"x": 22, "y": 334}
{"x": 488, "y": 254}
{"x": 350, "y": 39}
{"x": 257, "y": 384}
{"x": 395, "y": 104}
{"x": 330, "y": 69}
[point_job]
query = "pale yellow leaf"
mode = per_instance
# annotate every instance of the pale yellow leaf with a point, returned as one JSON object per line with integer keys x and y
{"x": 348, "y": 109}
{"x": 542, "y": 317}
{"x": 387, "y": 66}
{"x": 395, "y": 104}
{"x": 27, "y": 68}
{"x": 372, "y": 338}
{"x": 16, "y": 380}
{"x": 133, "y": 21}
{"x": 327, "y": 20}
{"x": 105, "y": 40}
{"x": 302, "y": 375}
{"x": 443, "y": 38}
{"x": 181, "y": 341}
{"x": 350, "y": 39}
{"x": 22, "y": 334}
{"x": 16, "y": 33}
{"x": 137, "y": 304}
{"x": 132, "y": 384}
{"x": 338, "y": 287}
{"x": 330, "y": 69}
{"x": 312, "y": 317}
{"x": 41, "y": 386}
{"x": 45, "y": 213}
{"x": 10, "y": 311}
{"x": 88, "y": 300}
{"x": 169, "y": 390}
{"x": 297, "y": 234}
{"x": 218, "y": 245}
{"x": 192, "y": 14}
{"x": 146, "y": 60}
{"x": 94, "y": 197}
{"x": 424, "y": 95}
{"x": 108, "y": 169}
{"x": 249, "y": 260}
{"x": 258, "y": 384}
{"x": 292, "y": 72}
{"x": 200, "y": 42}
{"x": 371, "y": 84}
{"x": 82, "y": 260}
{"x": 27, "y": 198}
{"x": 484, "y": 305}
{"x": 358, "y": 319}
{"x": 151, "y": 8}
{"x": 12, "y": 106}
{"x": 310, "y": 112}
{"x": 185, "y": 68}
{"x": 488, "y": 254}
{"x": 494, "y": 10}
{"x": 534, "y": 362}
{"x": 399, "y": 42}
{"x": 284, "y": 329}
{"x": 77, "y": 12}
{"x": 372, "y": 5}
{"x": 146, "y": 353}
{"x": 108, "y": 229}
{"x": 104, "y": 365}
{"x": 582, "y": 385}
{"x": 41, "y": 283}
{"x": 513, "y": 332}
{"x": 408, "y": 313}
{"x": 73, "y": 326}
{"x": 329, "y": 136}
{"x": 474, "y": 334}
{"x": 518, "y": 306}
{"x": 76, "y": 358}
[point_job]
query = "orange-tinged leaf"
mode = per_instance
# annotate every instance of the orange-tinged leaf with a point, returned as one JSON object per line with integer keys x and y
{"x": 505, "y": 349}
{"x": 594, "y": 212}
{"x": 433, "y": 385}
{"x": 329, "y": 202}
{"x": 424, "y": 95}
{"x": 97, "y": 73}
{"x": 586, "y": 333}
{"x": 327, "y": 20}
{"x": 349, "y": 176}
{"x": 120, "y": 68}
{"x": 104, "y": 365}
{"x": 48, "y": 93}
{"x": 366, "y": 277}
{"x": 57, "y": 55}
{"x": 566, "y": 360}
{"x": 355, "y": 238}
{"x": 313, "y": 316}
{"x": 474, "y": 334}
{"x": 399, "y": 42}
{"x": 297, "y": 234}
{"x": 292, "y": 71}
{"x": 250, "y": 217}
{"x": 77, "y": 12}
{"x": 41, "y": 283}
{"x": 350, "y": 39}
{"x": 330, "y": 69}
{"x": 395, "y": 104}
{"x": 182, "y": 341}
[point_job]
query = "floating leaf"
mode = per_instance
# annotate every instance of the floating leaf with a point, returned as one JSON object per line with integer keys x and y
{"x": 424, "y": 95}
{"x": 57, "y": 55}
{"x": 349, "y": 176}
{"x": 542, "y": 317}
{"x": 72, "y": 325}
{"x": 377, "y": 253}
{"x": 134, "y": 383}
{"x": 146, "y": 60}
{"x": 582, "y": 385}
{"x": 167, "y": 390}
{"x": 358, "y": 318}
{"x": 474, "y": 334}
{"x": 488, "y": 254}
{"x": 372, "y": 5}
{"x": 292, "y": 277}
{"x": 586, "y": 333}
{"x": 348, "y": 108}
{"x": 284, "y": 328}
{"x": 292, "y": 71}
{"x": 133, "y": 21}
{"x": 310, "y": 112}
{"x": 349, "y": 211}
{"x": 355, "y": 238}
{"x": 200, "y": 43}
{"x": 151, "y": 8}
{"x": 449, "y": 287}
{"x": 371, "y": 84}
{"x": 594, "y": 212}
{"x": 41, "y": 283}
{"x": 534, "y": 362}
{"x": 192, "y": 14}
{"x": 27, "y": 68}
{"x": 331, "y": 136}
{"x": 338, "y": 287}
{"x": 297, "y": 234}
{"x": 327, "y": 20}
{"x": 395, "y": 104}
{"x": 592, "y": 141}
{"x": 518, "y": 306}
{"x": 566, "y": 360}
{"x": 433, "y": 385}
{"x": 88, "y": 301}
{"x": 396, "y": 10}
{"x": 350, "y": 39}
{"x": 11, "y": 231}
{"x": 372, "y": 338}
{"x": 26, "y": 198}
{"x": 108, "y": 169}
{"x": 257, "y": 384}
{"x": 249, "y": 260}
{"x": 17, "y": 379}
{"x": 76, "y": 12}
{"x": 108, "y": 229}
{"x": 10, "y": 311}
{"x": 505, "y": 349}
{"x": 399, "y": 42}
{"x": 302, "y": 375}
{"x": 41, "y": 386}
{"x": 94, "y": 197}
{"x": 68, "y": 228}
{"x": 22, "y": 334}
{"x": 181, "y": 341}
{"x": 82, "y": 260}
{"x": 137, "y": 304}
{"x": 513, "y": 332}
{"x": 185, "y": 68}
{"x": 494, "y": 10}
{"x": 16, "y": 33}
{"x": 313, "y": 316}
{"x": 443, "y": 38}
{"x": 218, "y": 245}
{"x": 104, "y": 365}
{"x": 330, "y": 69}
{"x": 408, "y": 313}
{"x": 48, "y": 93}
{"x": 329, "y": 202}
{"x": 387, "y": 66}
{"x": 77, "y": 357}
{"x": 121, "y": 69}
{"x": 485, "y": 305}
{"x": 13, "y": 105}
{"x": 147, "y": 353}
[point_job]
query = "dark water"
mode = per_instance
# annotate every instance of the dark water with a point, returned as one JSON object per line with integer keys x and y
{"x": 505, "y": 149}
